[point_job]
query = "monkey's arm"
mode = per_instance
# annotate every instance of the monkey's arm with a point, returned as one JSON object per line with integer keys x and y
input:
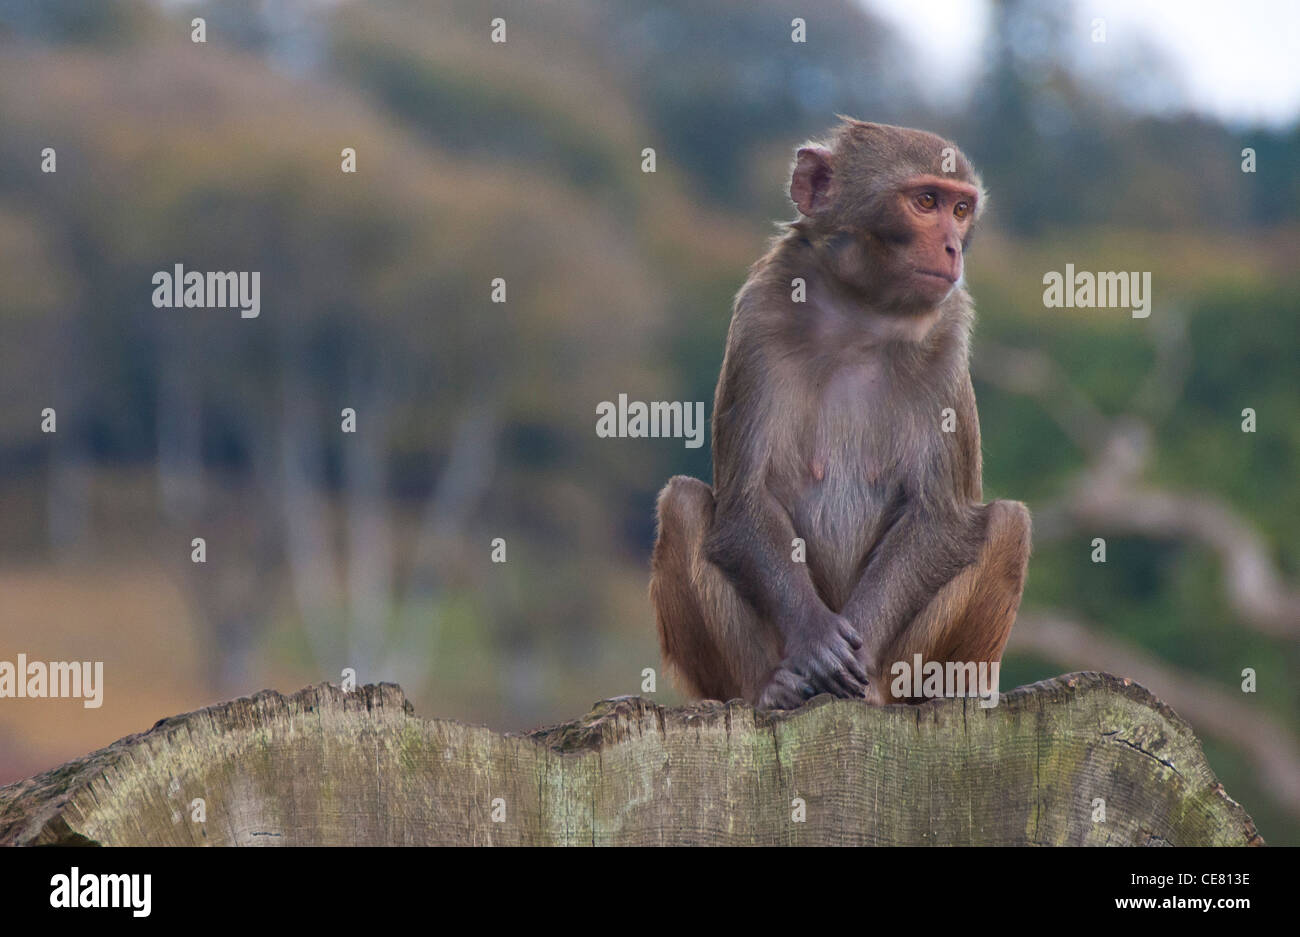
{"x": 921, "y": 551}
{"x": 751, "y": 542}
{"x": 934, "y": 533}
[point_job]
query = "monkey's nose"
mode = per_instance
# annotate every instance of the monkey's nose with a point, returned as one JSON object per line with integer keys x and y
{"x": 953, "y": 267}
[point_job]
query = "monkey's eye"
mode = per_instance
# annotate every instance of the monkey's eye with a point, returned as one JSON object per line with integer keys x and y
{"x": 927, "y": 200}
{"x": 962, "y": 209}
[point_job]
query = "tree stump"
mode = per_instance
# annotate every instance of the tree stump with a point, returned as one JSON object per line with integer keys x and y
{"x": 325, "y": 767}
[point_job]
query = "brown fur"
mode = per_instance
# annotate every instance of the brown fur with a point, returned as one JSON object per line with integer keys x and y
{"x": 827, "y": 427}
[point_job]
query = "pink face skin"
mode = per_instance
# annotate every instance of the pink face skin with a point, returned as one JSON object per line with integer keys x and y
{"x": 909, "y": 271}
{"x": 914, "y": 277}
{"x": 942, "y": 211}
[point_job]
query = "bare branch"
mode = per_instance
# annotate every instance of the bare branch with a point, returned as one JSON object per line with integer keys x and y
{"x": 1108, "y": 497}
{"x": 1255, "y": 590}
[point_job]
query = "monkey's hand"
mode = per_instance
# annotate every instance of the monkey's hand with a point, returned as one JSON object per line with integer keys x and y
{"x": 821, "y": 661}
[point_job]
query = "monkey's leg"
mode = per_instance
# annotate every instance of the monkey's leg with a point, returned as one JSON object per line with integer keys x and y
{"x": 717, "y": 645}
{"x": 970, "y": 617}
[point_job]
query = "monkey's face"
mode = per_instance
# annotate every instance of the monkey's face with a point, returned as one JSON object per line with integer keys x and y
{"x": 891, "y": 218}
{"x": 908, "y": 250}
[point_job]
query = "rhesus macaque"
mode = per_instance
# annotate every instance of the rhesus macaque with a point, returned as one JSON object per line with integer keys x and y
{"x": 844, "y": 417}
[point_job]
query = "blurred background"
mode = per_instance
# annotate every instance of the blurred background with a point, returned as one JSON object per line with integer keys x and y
{"x": 476, "y": 420}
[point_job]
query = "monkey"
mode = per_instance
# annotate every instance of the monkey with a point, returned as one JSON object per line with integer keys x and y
{"x": 845, "y": 529}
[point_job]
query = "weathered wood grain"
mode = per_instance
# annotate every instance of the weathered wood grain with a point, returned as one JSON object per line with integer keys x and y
{"x": 327, "y": 767}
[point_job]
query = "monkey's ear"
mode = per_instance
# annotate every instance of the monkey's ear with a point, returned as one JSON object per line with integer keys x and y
{"x": 810, "y": 182}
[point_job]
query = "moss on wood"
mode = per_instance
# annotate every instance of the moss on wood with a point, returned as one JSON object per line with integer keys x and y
{"x": 324, "y": 767}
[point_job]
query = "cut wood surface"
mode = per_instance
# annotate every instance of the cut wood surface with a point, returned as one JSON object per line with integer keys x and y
{"x": 325, "y": 767}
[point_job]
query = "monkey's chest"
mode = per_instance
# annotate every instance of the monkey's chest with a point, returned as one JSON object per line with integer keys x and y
{"x": 841, "y": 500}
{"x": 852, "y": 453}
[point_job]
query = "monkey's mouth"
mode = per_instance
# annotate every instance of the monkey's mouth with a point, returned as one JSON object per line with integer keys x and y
{"x": 946, "y": 277}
